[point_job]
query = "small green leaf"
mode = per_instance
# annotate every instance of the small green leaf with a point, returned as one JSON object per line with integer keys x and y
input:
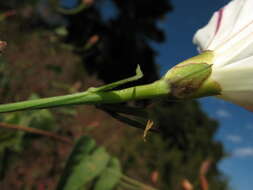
{"x": 110, "y": 86}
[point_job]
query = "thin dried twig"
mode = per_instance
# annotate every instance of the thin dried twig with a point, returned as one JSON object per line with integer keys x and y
{"x": 36, "y": 131}
{"x": 148, "y": 127}
{"x": 186, "y": 184}
{"x": 88, "y": 2}
{"x": 202, "y": 174}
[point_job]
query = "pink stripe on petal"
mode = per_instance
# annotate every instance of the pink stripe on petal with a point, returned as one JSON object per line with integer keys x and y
{"x": 218, "y": 24}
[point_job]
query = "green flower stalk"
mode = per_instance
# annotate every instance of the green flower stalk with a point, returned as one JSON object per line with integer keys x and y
{"x": 189, "y": 79}
{"x": 100, "y": 95}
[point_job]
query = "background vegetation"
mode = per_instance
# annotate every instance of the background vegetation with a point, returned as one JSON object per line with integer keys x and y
{"x": 52, "y": 51}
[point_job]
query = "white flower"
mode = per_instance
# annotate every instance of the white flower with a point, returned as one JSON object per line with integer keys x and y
{"x": 229, "y": 34}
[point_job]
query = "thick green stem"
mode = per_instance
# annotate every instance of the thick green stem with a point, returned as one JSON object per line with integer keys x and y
{"x": 157, "y": 89}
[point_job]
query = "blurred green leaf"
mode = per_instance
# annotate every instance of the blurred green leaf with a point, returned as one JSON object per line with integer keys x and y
{"x": 11, "y": 139}
{"x": 61, "y": 31}
{"x": 110, "y": 177}
{"x": 42, "y": 119}
{"x": 85, "y": 163}
{"x": 4, "y": 75}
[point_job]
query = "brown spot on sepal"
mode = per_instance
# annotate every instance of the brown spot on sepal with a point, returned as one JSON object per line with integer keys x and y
{"x": 186, "y": 79}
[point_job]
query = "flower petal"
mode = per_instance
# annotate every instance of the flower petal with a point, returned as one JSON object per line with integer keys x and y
{"x": 235, "y": 77}
{"x": 236, "y": 81}
{"x": 240, "y": 98}
{"x": 229, "y": 34}
{"x": 227, "y": 28}
{"x": 204, "y": 36}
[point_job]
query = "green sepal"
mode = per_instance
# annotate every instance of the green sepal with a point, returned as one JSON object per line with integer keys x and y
{"x": 187, "y": 79}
